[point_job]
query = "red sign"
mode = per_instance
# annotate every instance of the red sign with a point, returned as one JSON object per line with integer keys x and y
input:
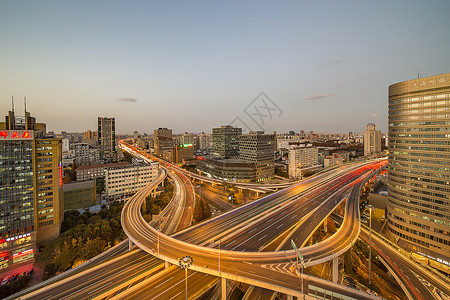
{"x": 16, "y": 134}
{"x": 60, "y": 174}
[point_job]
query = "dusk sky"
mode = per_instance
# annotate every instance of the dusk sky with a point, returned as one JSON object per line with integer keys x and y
{"x": 194, "y": 65}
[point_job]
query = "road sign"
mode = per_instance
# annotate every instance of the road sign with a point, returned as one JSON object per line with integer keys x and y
{"x": 294, "y": 246}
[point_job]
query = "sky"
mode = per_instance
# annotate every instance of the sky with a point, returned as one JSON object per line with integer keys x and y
{"x": 194, "y": 65}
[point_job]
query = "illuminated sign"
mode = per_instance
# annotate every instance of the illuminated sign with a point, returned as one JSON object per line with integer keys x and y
{"x": 13, "y": 238}
{"x": 13, "y": 135}
{"x": 26, "y": 252}
{"x": 185, "y": 145}
{"x": 200, "y": 158}
{"x": 60, "y": 174}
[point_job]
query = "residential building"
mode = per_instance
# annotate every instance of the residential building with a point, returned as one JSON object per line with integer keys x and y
{"x": 121, "y": 181}
{"x": 163, "y": 141}
{"x": 107, "y": 138}
{"x": 88, "y": 172}
{"x": 79, "y": 195}
{"x": 259, "y": 148}
{"x": 419, "y": 166}
{"x": 226, "y": 141}
{"x": 372, "y": 140}
{"x": 332, "y": 160}
{"x": 204, "y": 141}
{"x": 302, "y": 159}
{"x": 86, "y": 154}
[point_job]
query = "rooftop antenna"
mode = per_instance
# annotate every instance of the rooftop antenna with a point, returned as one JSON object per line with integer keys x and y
{"x": 418, "y": 74}
{"x": 25, "y": 104}
{"x": 12, "y": 103}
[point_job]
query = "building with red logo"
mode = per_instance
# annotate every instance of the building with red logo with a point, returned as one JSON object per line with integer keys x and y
{"x": 31, "y": 196}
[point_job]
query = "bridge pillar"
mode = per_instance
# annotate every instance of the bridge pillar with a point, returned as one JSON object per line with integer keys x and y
{"x": 257, "y": 194}
{"x": 166, "y": 265}
{"x": 325, "y": 223}
{"x": 289, "y": 297}
{"x": 224, "y": 288}
{"x": 342, "y": 207}
{"x": 335, "y": 268}
{"x": 130, "y": 245}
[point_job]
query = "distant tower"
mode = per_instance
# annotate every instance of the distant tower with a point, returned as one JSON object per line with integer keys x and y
{"x": 107, "y": 138}
{"x": 162, "y": 140}
{"x": 372, "y": 140}
{"x": 226, "y": 141}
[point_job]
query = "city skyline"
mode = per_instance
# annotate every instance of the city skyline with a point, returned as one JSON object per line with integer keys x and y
{"x": 192, "y": 67}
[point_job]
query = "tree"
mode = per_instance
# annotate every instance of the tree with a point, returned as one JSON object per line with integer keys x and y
{"x": 73, "y": 174}
{"x": 99, "y": 185}
{"x": 240, "y": 198}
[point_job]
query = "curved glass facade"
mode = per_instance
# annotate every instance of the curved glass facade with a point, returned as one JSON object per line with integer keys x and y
{"x": 419, "y": 166}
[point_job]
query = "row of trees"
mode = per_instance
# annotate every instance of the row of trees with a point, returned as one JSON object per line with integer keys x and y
{"x": 201, "y": 211}
{"x": 83, "y": 237}
{"x": 154, "y": 205}
{"x": 14, "y": 287}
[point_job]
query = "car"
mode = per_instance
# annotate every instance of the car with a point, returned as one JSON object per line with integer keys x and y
{"x": 6, "y": 280}
{"x": 30, "y": 272}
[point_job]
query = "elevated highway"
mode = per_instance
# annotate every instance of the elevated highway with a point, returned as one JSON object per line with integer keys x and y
{"x": 207, "y": 258}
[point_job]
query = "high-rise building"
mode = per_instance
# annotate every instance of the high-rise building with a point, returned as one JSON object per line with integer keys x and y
{"x": 31, "y": 199}
{"x": 226, "y": 141}
{"x": 372, "y": 140}
{"x": 204, "y": 141}
{"x": 107, "y": 138}
{"x": 163, "y": 141}
{"x": 259, "y": 148}
{"x": 419, "y": 166}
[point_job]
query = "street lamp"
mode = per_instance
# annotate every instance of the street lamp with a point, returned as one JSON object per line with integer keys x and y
{"x": 370, "y": 242}
{"x": 185, "y": 262}
{"x": 302, "y": 262}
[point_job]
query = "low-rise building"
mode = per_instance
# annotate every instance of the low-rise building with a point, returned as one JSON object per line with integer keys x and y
{"x": 229, "y": 169}
{"x": 88, "y": 172}
{"x": 332, "y": 160}
{"x": 79, "y": 195}
{"x": 128, "y": 179}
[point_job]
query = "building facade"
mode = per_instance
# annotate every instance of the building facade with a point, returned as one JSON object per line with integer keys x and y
{"x": 372, "y": 140}
{"x": 301, "y": 159}
{"x": 107, "y": 138}
{"x": 419, "y": 166}
{"x": 162, "y": 141}
{"x": 88, "y": 172}
{"x": 226, "y": 141}
{"x": 228, "y": 169}
{"x": 121, "y": 181}
{"x": 79, "y": 195}
{"x": 259, "y": 148}
{"x": 48, "y": 188}
{"x": 182, "y": 153}
{"x": 85, "y": 154}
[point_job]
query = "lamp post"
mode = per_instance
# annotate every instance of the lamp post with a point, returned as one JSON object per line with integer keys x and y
{"x": 185, "y": 262}
{"x": 219, "y": 256}
{"x": 370, "y": 243}
{"x": 302, "y": 263}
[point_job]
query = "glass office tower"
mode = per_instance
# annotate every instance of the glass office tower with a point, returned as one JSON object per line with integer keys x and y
{"x": 419, "y": 166}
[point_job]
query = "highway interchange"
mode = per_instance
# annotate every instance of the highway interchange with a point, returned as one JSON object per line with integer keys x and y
{"x": 242, "y": 232}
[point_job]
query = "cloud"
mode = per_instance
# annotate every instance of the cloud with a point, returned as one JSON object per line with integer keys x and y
{"x": 333, "y": 62}
{"x": 317, "y": 96}
{"x": 132, "y": 100}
